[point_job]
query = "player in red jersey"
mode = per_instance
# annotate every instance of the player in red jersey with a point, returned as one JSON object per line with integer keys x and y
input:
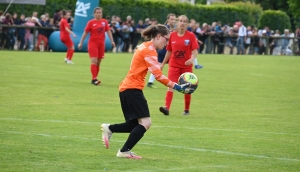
{"x": 96, "y": 45}
{"x": 65, "y": 36}
{"x": 181, "y": 52}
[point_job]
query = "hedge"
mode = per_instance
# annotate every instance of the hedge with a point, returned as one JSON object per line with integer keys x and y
{"x": 276, "y": 20}
{"x": 141, "y": 9}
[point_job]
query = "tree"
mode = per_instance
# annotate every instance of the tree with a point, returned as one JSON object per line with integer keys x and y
{"x": 294, "y": 7}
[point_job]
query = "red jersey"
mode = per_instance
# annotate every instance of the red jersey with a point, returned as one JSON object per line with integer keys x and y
{"x": 144, "y": 60}
{"x": 181, "y": 48}
{"x": 97, "y": 29}
{"x": 62, "y": 26}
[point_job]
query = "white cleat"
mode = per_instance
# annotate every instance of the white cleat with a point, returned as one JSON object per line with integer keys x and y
{"x": 69, "y": 62}
{"x": 106, "y": 135}
{"x": 128, "y": 154}
{"x": 66, "y": 59}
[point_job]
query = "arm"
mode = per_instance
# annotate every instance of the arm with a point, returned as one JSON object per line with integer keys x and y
{"x": 166, "y": 59}
{"x": 82, "y": 39}
{"x": 111, "y": 38}
{"x": 69, "y": 31}
{"x": 191, "y": 60}
{"x": 154, "y": 68}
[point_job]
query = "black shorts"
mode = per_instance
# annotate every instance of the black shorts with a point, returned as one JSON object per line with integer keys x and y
{"x": 134, "y": 104}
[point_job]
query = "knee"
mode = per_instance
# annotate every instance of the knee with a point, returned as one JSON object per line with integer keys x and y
{"x": 147, "y": 125}
{"x": 170, "y": 89}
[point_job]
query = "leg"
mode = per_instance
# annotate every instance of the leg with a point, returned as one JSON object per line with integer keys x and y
{"x": 187, "y": 97}
{"x": 150, "y": 81}
{"x": 238, "y": 45}
{"x": 173, "y": 75}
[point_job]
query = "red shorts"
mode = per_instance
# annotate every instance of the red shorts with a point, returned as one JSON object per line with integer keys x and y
{"x": 96, "y": 50}
{"x": 67, "y": 41}
{"x": 174, "y": 72}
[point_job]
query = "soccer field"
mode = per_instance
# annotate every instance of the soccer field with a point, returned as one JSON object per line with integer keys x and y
{"x": 245, "y": 116}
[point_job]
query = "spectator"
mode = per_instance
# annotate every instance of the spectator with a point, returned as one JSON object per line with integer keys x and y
{"x": 7, "y": 34}
{"x": 108, "y": 20}
{"x": 216, "y": 38}
{"x": 115, "y": 33}
{"x": 153, "y": 22}
{"x": 47, "y": 18}
{"x": 248, "y": 41}
{"x": 147, "y": 22}
{"x": 126, "y": 29}
{"x": 228, "y": 40}
{"x": 171, "y": 22}
{"x": 242, "y": 35}
{"x": 34, "y": 16}
{"x": 43, "y": 34}
{"x": 285, "y": 41}
{"x": 203, "y": 36}
{"x": 22, "y": 32}
{"x": 262, "y": 43}
{"x": 28, "y": 34}
{"x": 134, "y": 36}
{"x": 57, "y": 17}
{"x": 297, "y": 34}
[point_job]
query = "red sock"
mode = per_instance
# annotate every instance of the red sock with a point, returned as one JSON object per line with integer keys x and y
{"x": 187, "y": 101}
{"x": 70, "y": 53}
{"x": 169, "y": 97}
{"x": 98, "y": 69}
{"x": 94, "y": 71}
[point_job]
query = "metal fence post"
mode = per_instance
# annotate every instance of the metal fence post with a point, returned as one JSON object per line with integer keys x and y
{"x": 267, "y": 46}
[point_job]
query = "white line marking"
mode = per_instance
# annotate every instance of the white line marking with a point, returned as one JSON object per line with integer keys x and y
{"x": 187, "y": 128}
{"x": 164, "y": 145}
{"x": 183, "y": 169}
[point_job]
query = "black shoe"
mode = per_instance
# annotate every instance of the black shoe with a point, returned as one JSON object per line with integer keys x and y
{"x": 151, "y": 85}
{"x": 95, "y": 82}
{"x": 164, "y": 110}
{"x": 185, "y": 112}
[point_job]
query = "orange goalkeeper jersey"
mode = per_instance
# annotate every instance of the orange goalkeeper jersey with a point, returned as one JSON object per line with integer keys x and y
{"x": 144, "y": 60}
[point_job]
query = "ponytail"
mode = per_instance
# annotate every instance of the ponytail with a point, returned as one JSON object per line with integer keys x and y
{"x": 152, "y": 31}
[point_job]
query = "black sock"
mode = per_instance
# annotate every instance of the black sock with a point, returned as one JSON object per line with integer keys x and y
{"x": 136, "y": 134}
{"x": 125, "y": 127}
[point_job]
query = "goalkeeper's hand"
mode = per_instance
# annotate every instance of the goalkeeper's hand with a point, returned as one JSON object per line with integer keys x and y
{"x": 184, "y": 88}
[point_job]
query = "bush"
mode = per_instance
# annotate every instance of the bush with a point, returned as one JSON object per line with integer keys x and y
{"x": 276, "y": 20}
{"x": 141, "y": 9}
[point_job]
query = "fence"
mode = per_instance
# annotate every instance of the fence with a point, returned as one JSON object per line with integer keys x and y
{"x": 209, "y": 44}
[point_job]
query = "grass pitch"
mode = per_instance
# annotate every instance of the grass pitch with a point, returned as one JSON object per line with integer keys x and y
{"x": 244, "y": 116}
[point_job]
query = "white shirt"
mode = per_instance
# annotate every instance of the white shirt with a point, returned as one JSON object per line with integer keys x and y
{"x": 242, "y": 31}
{"x": 248, "y": 40}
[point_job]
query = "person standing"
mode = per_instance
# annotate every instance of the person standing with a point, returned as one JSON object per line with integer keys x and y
{"x": 96, "y": 45}
{"x": 182, "y": 49}
{"x": 242, "y": 36}
{"x": 65, "y": 36}
{"x": 134, "y": 104}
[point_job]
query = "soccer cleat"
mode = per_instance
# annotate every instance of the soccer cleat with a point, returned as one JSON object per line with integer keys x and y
{"x": 198, "y": 66}
{"x": 69, "y": 62}
{"x": 106, "y": 135}
{"x": 186, "y": 112}
{"x": 66, "y": 59}
{"x": 128, "y": 154}
{"x": 164, "y": 110}
{"x": 95, "y": 82}
{"x": 151, "y": 85}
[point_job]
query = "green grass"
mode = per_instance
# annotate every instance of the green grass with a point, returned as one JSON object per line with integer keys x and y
{"x": 244, "y": 116}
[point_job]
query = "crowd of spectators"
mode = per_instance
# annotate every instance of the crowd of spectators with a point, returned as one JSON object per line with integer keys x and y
{"x": 215, "y": 38}
{"x": 22, "y": 38}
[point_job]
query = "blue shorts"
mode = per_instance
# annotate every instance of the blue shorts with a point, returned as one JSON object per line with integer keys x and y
{"x": 161, "y": 55}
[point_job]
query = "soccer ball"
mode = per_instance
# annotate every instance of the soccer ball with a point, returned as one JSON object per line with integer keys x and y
{"x": 188, "y": 77}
